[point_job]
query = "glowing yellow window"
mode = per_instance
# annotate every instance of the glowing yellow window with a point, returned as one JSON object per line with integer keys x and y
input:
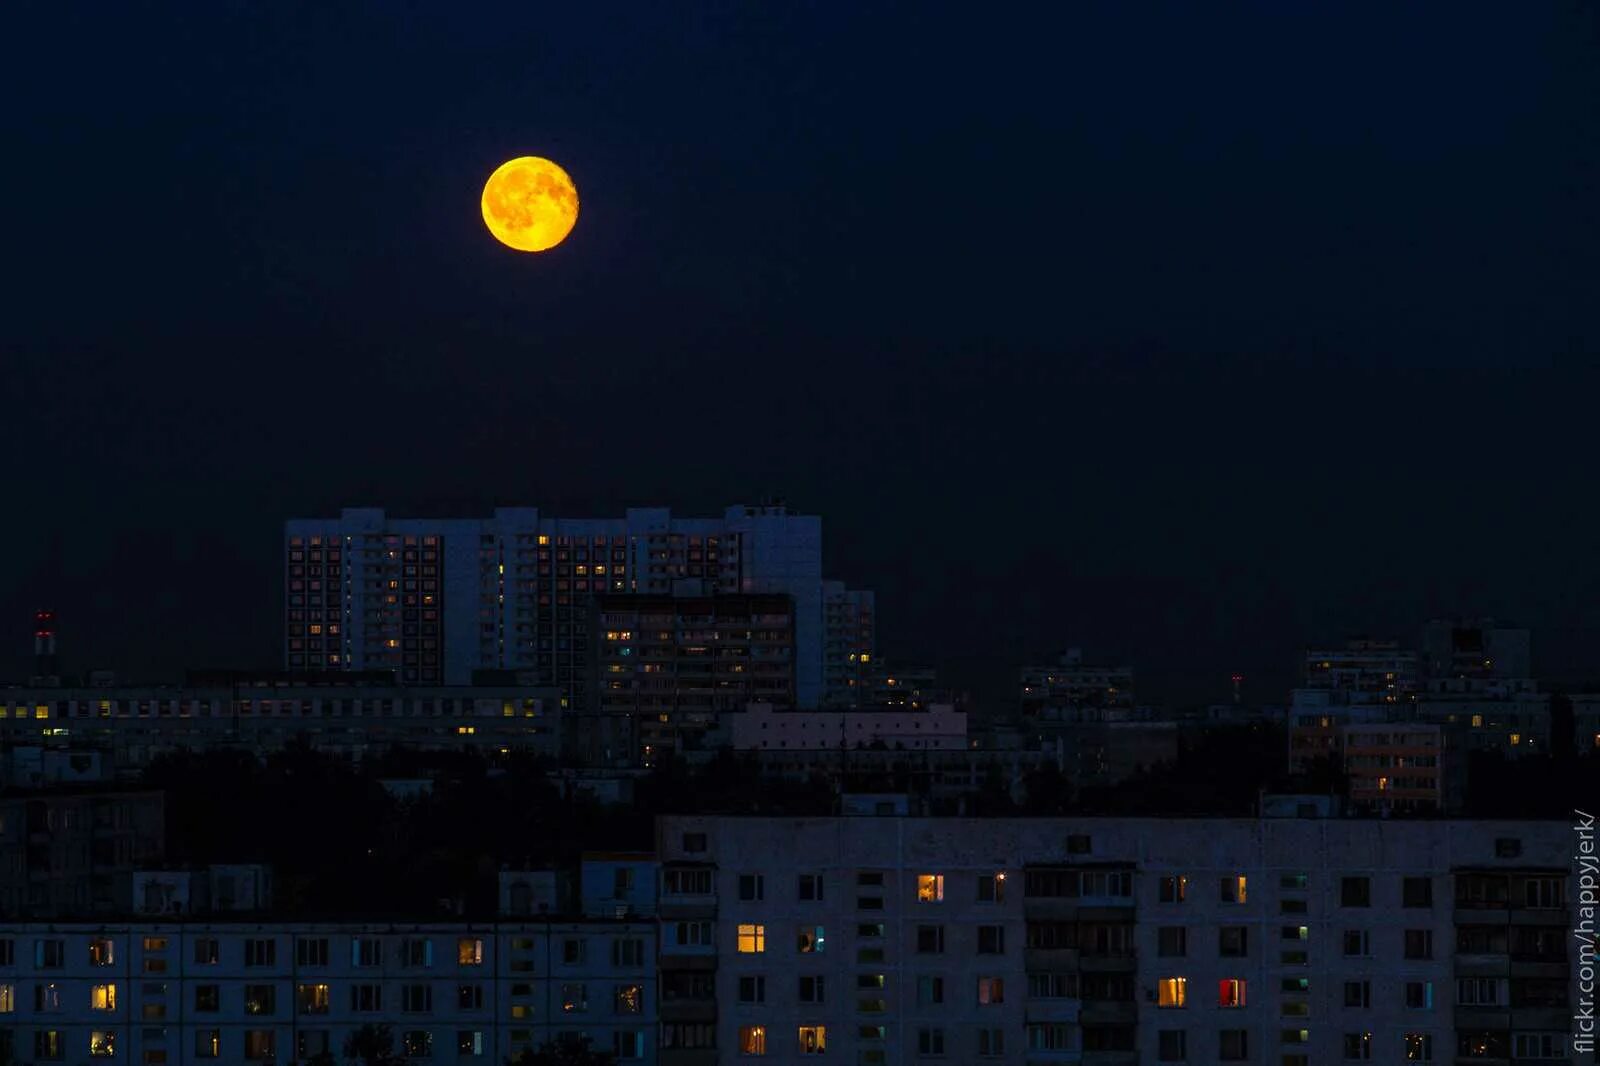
{"x": 103, "y": 997}
{"x": 41, "y": 711}
{"x": 469, "y": 951}
{"x": 813, "y": 1039}
{"x": 1230, "y": 992}
{"x": 1477, "y": 721}
{"x": 1172, "y": 992}
{"x": 752, "y": 939}
{"x": 930, "y": 888}
{"x": 1233, "y": 889}
{"x": 8, "y": 998}
{"x": 102, "y": 1045}
{"x": 1516, "y": 738}
{"x": 753, "y": 1040}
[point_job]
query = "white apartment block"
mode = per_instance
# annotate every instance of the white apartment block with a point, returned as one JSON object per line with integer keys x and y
{"x": 230, "y": 992}
{"x": 434, "y": 600}
{"x": 878, "y": 940}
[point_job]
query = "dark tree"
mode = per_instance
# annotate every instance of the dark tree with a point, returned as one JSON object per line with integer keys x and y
{"x": 372, "y": 1045}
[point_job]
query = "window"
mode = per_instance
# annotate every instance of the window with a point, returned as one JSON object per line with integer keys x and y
{"x": 1231, "y": 992}
{"x": 992, "y": 888}
{"x": 1050, "y": 1036}
{"x": 930, "y": 939}
{"x": 930, "y": 888}
{"x": 1173, "y": 889}
{"x": 1358, "y": 994}
{"x": 1419, "y": 943}
{"x": 812, "y": 989}
{"x": 574, "y": 998}
{"x": 366, "y": 998}
{"x": 103, "y": 997}
{"x": 416, "y": 999}
{"x": 312, "y": 999}
{"x": 751, "y": 887}
{"x": 259, "y": 1044}
{"x": 1233, "y": 941}
{"x": 1544, "y": 893}
{"x": 1419, "y": 1047}
{"x": 991, "y": 990}
{"x": 8, "y": 999}
{"x": 417, "y": 1044}
{"x": 1052, "y": 986}
{"x": 627, "y": 999}
{"x": 47, "y": 998}
{"x": 311, "y": 951}
{"x": 809, "y": 939}
{"x": 930, "y": 1041}
{"x": 260, "y": 999}
{"x": 49, "y": 954}
{"x": 47, "y": 1044}
{"x": 207, "y": 1043}
{"x": 469, "y": 951}
{"x": 991, "y": 940}
{"x": 810, "y": 889}
{"x": 1416, "y": 892}
{"x": 469, "y": 1043}
{"x": 102, "y": 1044}
{"x": 1356, "y": 944}
{"x": 1551, "y": 1046}
{"x": 752, "y": 989}
{"x": 1172, "y": 1045}
{"x": 627, "y": 952}
{"x": 752, "y": 939}
{"x": 469, "y": 997}
{"x": 259, "y": 952}
{"x": 1232, "y": 889}
{"x": 694, "y": 934}
{"x": 366, "y": 951}
{"x": 1419, "y": 995}
{"x": 207, "y": 998}
{"x": 1172, "y": 941}
{"x": 991, "y": 1043}
{"x": 694, "y": 843}
{"x": 1172, "y": 992}
{"x": 813, "y": 1039}
{"x": 1358, "y": 1046}
{"x": 206, "y": 951}
{"x": 1233, "y": 1045}
{"x": 930, "y": 990}
{"x": 1355, "y": 892}
{"x": 1480, "y": 992}
{"x": 102, "y": 952}
{"x": 753, "y": 1040}
{"x": 678, "y": 882}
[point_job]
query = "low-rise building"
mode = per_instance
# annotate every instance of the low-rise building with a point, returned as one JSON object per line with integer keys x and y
{"x": 764, "y": 727}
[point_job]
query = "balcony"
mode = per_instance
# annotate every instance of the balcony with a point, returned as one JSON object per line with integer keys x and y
{"x": 688, "y": 1057}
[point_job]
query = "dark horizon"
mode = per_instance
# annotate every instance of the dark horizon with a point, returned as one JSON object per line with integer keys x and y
{"x": 1189, "y": 338}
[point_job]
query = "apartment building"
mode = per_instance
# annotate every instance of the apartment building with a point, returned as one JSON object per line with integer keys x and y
{"x": 1072, "y": 690}
{"x": 667, "y": 667}
{"x": 341, "y": 714}
{"x": 434, "y": 600}
{"x": 764, "y": 727}
{"x": 849, "y": 643}
{"x": 1365, "y": 671}
{"x": 73, "y": 852}
{"x": 1113, "y": 941}
{"x": 230, "y": 992}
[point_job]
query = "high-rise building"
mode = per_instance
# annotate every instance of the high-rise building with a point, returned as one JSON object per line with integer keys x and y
{"x": 1072, "y": 690}
{"x": 667, "y": 667}
{"x": 435, "y": 599}
{"x": 849, "y": 643}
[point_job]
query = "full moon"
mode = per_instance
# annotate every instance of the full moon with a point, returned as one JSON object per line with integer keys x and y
{"x": 530, "y": 204}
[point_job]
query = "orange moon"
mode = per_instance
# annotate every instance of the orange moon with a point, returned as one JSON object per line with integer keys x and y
{"x": 530, "y": 204}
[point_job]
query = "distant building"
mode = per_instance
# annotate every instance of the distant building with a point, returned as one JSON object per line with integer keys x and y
{"x": 1402, "y": 767}
{"x": 73, "y": 853}
{"x": 1072, "y": 690}
{"x": 849, "y": 643}
{"x": 666, "y": 667}
{"x": 353, "y": 715}
{"x": 763, "y": 727}
{"x": 435, "y": 600}
{"x": 1475, "y": 649}
{"x": 1365, "y": 671}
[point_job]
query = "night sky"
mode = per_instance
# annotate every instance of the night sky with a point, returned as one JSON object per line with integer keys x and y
{"x": 1189, "y": 333}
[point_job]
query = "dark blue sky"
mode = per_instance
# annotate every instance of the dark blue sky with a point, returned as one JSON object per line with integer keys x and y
{"x": 1188, "y": 333}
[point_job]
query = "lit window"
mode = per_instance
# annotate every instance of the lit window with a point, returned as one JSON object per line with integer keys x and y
{"x": 1233, "y": 889}
{"x": 102, "y": 952}
{"x": 1173, "y": 889}
{"x": 8, "y": 998}
{"x": 103, "y": 1044}
{"x": 103, "y": 997}
{"x": 1230, "y": 992}
{"x": 469, "y": 951}
{"x": 991, "y": 990}
{"x": 752, "y": 939}
{"x": 753, "y": 1040}
{"x": 1172, "y": 991}
{"x": 930, "y": 888}
{"x": 809, "y": 939}
{"x": 813, "y": 1039}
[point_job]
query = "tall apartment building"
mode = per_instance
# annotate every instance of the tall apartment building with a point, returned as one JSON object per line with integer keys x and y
{"x": 667, "y": 667}
{"x": 434, "y": 600}
{"x": 1365, "y": 671}
{"x": 849, "y": 644}
{"x": 1114, "y": 941}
